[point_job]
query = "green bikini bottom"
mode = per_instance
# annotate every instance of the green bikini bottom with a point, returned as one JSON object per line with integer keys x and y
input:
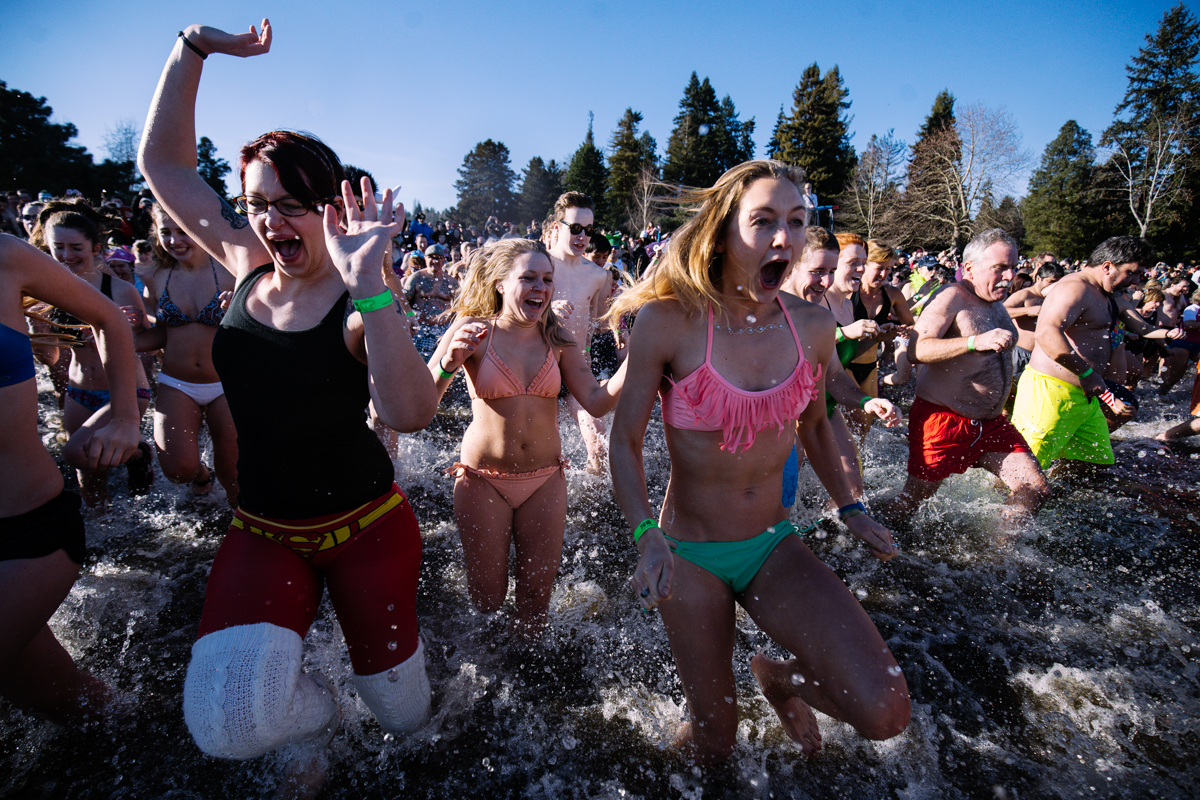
{"x": 736, "y": 563}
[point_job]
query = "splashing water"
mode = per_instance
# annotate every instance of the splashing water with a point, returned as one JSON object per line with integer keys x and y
{"x": 1063, "y": 664}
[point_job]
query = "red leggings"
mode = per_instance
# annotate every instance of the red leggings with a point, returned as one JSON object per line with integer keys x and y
{"x": 372, "y": 580}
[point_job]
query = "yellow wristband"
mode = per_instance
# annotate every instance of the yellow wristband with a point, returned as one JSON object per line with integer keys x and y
{"x": 642, "y": 527}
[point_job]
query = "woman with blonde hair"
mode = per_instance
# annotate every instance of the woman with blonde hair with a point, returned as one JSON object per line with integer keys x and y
{"x": 510, "y": 485}
{"x": 732, "y": 359}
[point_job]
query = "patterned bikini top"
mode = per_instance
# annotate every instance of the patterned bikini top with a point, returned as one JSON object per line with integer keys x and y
{"x": 172, "y": 316}
{"x": 705, "y": 401}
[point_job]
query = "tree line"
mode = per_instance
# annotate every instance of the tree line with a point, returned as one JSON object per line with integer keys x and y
{"x": 958, "y": 176}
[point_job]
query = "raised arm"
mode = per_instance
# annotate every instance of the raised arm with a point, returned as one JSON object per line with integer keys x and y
{"x": 596, "y": 397}
{"x": 402, "y": 389}
{"x": 45, "y": 279}
{"x": 167, "y": 157}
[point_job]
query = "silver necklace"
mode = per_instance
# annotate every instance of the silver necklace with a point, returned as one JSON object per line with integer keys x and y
{"x": 751, "y": 329}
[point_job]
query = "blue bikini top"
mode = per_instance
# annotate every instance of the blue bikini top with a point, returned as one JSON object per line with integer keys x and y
{"x": 16, "y": 356}
{"x": 171, "y": 315}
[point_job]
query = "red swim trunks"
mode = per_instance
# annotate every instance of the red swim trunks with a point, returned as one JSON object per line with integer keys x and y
{"x": 942, "y": 443}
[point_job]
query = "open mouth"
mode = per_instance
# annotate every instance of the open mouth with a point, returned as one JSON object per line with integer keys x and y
{"x": 771, "y": 275}
{"x": 287, "y": 249}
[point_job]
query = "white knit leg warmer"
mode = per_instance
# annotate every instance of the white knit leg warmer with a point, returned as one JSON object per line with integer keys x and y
{"x": 398, "y": 697}
{"x": 245, "y": 695}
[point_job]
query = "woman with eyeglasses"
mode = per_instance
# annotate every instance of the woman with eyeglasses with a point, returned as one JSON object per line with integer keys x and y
{"x": 188, "y": 293}
{"x": 310, "y": 337}
{"x": 736, "y": 364}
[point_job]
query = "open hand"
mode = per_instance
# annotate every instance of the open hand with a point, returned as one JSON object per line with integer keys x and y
{"x": 358, "y": 245}
{"x": 466, "y": 340}
{"x": 243, "y": 45}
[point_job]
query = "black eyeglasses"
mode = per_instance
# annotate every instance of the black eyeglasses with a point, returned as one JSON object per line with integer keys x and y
{"x": 575, "y": 228}
{"x": 288, "y": 206}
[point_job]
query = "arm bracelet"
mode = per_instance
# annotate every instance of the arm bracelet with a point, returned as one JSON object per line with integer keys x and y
{"x": 443, "y": 374}
{"x": 642, "y": 527}
{"x": 1085, "y": 373}
{"x": 381, "y": 300}
{"x": 845, "y": 512}
{"x": 203, "y": 55}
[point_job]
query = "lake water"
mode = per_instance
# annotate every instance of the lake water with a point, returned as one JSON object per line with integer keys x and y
{"x": 1062, "y": 666}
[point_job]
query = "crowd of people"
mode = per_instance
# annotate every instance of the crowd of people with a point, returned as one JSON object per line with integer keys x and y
{"x": 309, "y": 322}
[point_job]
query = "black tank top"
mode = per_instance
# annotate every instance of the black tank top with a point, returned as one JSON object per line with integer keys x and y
{"x": 860, "y": 308}
{"x": 299, "y": 403}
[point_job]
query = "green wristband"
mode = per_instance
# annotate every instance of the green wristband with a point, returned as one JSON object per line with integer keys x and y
{"x": 443, "y": 374}
{"x": 381, "y": 300}
{"x": 841, "y": 337}
{"x": 970, "y": 344}
{"x": 1084, "y": 374}
{"x": 866, "y": 399}
{"x": 642, "y": 527}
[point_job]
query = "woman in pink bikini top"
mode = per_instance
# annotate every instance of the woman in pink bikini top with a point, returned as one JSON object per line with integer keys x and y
{"x": 733, "y": 360}
{"x": 509, "y": 480}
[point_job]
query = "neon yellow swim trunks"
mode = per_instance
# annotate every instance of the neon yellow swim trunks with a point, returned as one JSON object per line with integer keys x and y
{"x": 1059, "y": 421}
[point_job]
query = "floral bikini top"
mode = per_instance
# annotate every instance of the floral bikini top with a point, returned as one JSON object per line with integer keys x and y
{"x": 704, "y": 401}
{"x": 172, "y": 316}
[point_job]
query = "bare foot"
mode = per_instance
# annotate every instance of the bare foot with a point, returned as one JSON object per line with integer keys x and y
{"x": 798, "y": 720}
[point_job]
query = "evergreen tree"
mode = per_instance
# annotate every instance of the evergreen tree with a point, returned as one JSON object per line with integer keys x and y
{"x": 211, "y": 168}
{"x": 1155, "y": 139}
{"x": 541, "y": 184}
{"x": 816, "y": 135}
{"x": 629, "y": 156}
{"x": 708, "y": 138}
{"x": 586, "y": 172}
{"x": 35, "y": 154}
{"x": 485, "y": 184}
{"x": 1061, "y": 210}
{"x": 935, "y": 165}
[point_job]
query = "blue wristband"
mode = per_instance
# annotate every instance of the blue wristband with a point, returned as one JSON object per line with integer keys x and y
{"x": 850, "y": 510}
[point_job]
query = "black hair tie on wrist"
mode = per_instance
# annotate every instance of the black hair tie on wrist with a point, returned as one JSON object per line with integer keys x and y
{"x": 203, "y": 55}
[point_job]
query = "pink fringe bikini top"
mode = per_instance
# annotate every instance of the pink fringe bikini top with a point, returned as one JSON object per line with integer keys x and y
{"x": 704, "y": 401}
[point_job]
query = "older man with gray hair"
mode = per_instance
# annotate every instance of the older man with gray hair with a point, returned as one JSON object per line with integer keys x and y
{"x": 963, "y": 340}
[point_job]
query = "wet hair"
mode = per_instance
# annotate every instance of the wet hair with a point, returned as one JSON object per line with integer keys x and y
{"x": 1050, "y": 270}
{"x": 690, "y": 269}
{"x": 1153, "y": 296}
{"x": 488, "y": 267}
{"x": 75, "y": 214}
{"x": 571, "y": 200}
{"x": 599, "y": 243}
{"x": 817, "y": 238}
{"x": 981, "y": 241}
{"x": 844, "y": 238}
{"x": 1123, "y": 250}
{"x": 307, "y": 168}
{"x": 878, "y": 252}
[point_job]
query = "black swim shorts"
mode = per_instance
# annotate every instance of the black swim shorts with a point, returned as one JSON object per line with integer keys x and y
{"x": 56, "y": 525}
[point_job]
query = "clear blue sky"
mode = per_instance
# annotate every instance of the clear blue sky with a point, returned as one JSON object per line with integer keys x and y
{"x": 405, "y": 91}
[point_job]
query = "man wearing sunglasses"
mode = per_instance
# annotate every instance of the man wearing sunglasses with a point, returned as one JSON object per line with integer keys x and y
{"x": 581, "y": 291}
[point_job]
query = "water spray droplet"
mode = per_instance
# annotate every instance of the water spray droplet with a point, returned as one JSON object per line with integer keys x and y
{"x": 894, "y": 670}
{"x": 702, "y": 130}
{"x": 391, "y": 607}
{"x": 797, "y": 678}
{"x": 393, "y": 675}
{"x": 204, "y": 223}
{"x": 751, "y": 319}
{"x": 391, "y": 645}
{"x": 861, "y": 593}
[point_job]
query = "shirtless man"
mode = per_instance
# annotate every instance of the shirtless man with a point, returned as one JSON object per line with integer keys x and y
{"x": 1023, "y": 307}
{"x": 963, "y": 338}
{"x": 582, "y": 286}
{"x": 1079, "y": 326}
{"x": 429, "y": 292}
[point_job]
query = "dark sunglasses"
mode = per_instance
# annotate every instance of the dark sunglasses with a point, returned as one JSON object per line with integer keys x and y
{"x": 575, "y": 228}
